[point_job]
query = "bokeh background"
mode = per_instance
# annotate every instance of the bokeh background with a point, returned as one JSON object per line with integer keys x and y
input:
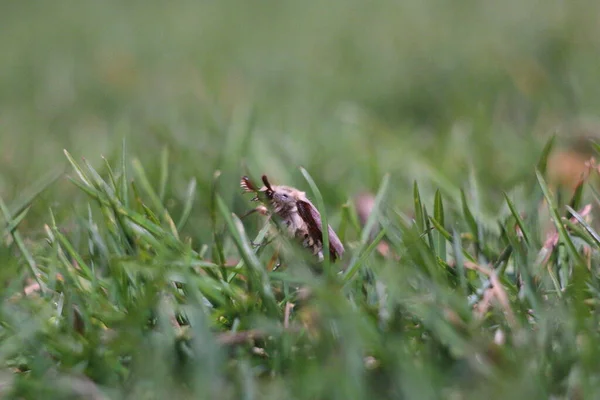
{"x": 426, "y": 90}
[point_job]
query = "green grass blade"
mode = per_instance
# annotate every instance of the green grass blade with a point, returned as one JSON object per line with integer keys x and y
{"x": 114, "y": 188}
{"x": 439, "y": 228}
{"x": 188, "y": 204}
{"x": 14, "y": 223}
{"x": 429, "y": 229}
{"x": 438, "y": 214}
{"x": 124, "y": 184}
{"x": 458, "y": 257}
{"x": 257, "y": 274}
{"x": 564, "y": 236}
{"x": 78, "y": 170}
{"x": 352, "y": 269}
{"x": 470, "y": 219}
{"x": 585, "y": 225}
{"x": 146, "y": 185}
{"x": 418, "y": 204}
{"x": 542, "y": 164}
{"x": 164, "y": 174}
{"x": 324, "y": 220}
{"x": 582, "y": 233}
{"x": 344, "y": 220}
{"x": 22, "y": 248}
{"x": 517, "y": 217}
{"x": 154, "y": 197}
{"x": 219, "y": 254}
{"x": 577, "y": 198}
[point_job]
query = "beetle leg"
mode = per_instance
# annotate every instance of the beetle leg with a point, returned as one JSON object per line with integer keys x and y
{"x": 262, "y": 210}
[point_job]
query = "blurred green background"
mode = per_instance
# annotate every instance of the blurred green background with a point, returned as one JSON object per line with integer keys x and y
{"x": 348, "y": 89}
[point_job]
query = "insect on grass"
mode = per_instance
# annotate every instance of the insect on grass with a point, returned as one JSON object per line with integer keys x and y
{"x": 300, "y": 217}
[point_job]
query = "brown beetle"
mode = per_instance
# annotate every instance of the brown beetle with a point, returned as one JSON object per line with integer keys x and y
{"x": 298, "y": 214}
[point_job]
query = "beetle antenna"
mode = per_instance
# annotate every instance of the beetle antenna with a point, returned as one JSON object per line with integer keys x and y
{"x": 267, "y": 183}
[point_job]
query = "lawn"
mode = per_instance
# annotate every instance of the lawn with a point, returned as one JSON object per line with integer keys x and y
{"x": 445, "y": 143}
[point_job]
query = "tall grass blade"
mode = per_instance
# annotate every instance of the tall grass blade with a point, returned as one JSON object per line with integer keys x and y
{"x": 324, "y": 220}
